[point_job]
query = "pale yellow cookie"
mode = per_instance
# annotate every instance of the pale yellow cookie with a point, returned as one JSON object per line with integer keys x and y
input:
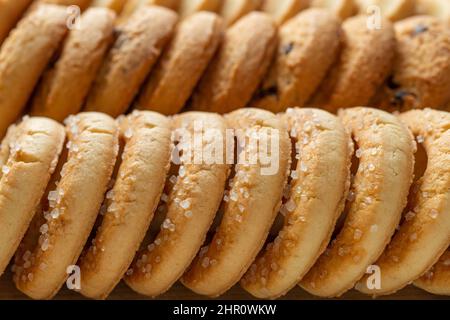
{"x": 233, "y": 10}
{"x": 283, "y": 10}
{"x": 115, "y": 5}
{"x": 343, "y": 9}
{"x": 188, "y": 7}
{"x": 437, "y": 8}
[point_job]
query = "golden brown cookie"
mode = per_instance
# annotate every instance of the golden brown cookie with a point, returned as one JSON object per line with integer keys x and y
{"x": 10, "y": 13}
{"x": 239, "y": 66}
{"x": 364, "y": 63}
{"x": 283, "y": 10}
{"x": 251, "y": 203}
{"x": 343, "y": 9}
{"x": 313, "y": 201}
{"x": 82, "y": 4}
{"x": 68, "y": 212}
{"x": 377, "y": 198}
{"x": 188, "y": 7}
{"x": 437, "y": 279}
{"x": 65, "y": 85}
{"x": 132, "y": 6}
{"x": 393, "y": 10}
{"x": 175, "y": 76}
{"x": 424, "y": 234}
{"x": 22, "y": 61}
{"x": 233, "y": 10}
{"x": 308, "y": 45}
{"x": 28, "y": 157}
{"x": 130, "y": 204}
{"x": 421, "y": 75}
{"x": 190, "y": 210}
{"x": 136, "y": 50}
{"x": 114, "y": 5}
{"x": 437, "y": 8}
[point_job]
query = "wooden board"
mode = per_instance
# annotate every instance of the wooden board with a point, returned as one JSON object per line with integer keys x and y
{"x": 178, "y": 292}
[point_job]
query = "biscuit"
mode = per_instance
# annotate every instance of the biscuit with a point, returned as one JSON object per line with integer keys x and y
{"x": 233, "y": 10}
{"x": 22, "y": 61}
{"x": 190, "y": 210}
{"x": 377, "y": 198}
{"x": 313, "y": 201}
{"x": 283, "y": 10}
{"x": 308, "y": 45}
{"x": 175, "y": 76}
{"x": 130, "y": 204}
{"x": 239, "y": 65}
{"x": 437, "y": 8}
{"x": 424, "y": 233}
{"x": 364, "y": 63}
{"x": 393, "y": 10}
{"x": 114, "y": 5}
{"x": 82, "y": 4}
{"x": 10, "y": 12}
{"x": 62, "y": 225}
{"x": 437, "y": 279}
{"x": 188, "y": 7}
{"x": 132, "y": 6}
{"x": 421, "y": 75}
{"x": 251, "y": 204}
{"x": 28, "y": 157}
{"x": 343, "y": 9}
{"x": 80, "y": 60}
{"x": 136, "y": 50}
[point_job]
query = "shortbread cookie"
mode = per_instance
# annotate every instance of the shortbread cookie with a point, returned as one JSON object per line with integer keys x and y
{"x": 132, "y": 6}
{"x": 239, "y": 66}
{"x": 437, "y": 8}
{"x": 171, "y": 83}
{"x": 61, "y": 228}
{"x": 131, "y": 203}
{"x": 283, "y": 10}
{"x": 393, "y": 10}
{"x": 191, "y": 210}
{"x": 343, "y": 9}
{"x": 308, "y": 45}
{"x": 376, "y": 201}
{"x": 233, "y": 10}
{"x": 188, "y": 7}
{"x": 114, "y": 5}
{"x": 421, "y": 76}
{"x": 137, "y": 48}
{"x": 314, "y": 200}
{"x": 82, "y": 4}
{"x": 437, "y": 279}
{"x": 28, "y": 157}
{"x": 424, "y": 234}
{"x": 22, "y": 61}
{"x": 365, "y": 62}
{"x": 251, "y": 204}
{"x": 10, "y": 13}
{"x": 65, "y": 85}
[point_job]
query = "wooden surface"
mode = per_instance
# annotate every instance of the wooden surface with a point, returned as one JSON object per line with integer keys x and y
{"x": 178, "y": 292}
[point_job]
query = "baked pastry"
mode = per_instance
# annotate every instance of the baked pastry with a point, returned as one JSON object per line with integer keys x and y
{"x": 136, "y": 50}
{"x": 421, "y": 75}
{"x": 28, "y": 156}
{"x": 188, "y": 7}
{"x": 80, "y": 59}
{"x": 132, "y": 6}
{"x": 251, "y": 204}
{"x": 424, "y": 234}
{"x": 377, "y": 198}
{"x": 343, "y": 9}
{"x": 283, "y": 10}
{"x": 314, "y": 199}
{"x": 130, "y": 204}
{"x": 308, "y": 45}
{"x": 437, "y": 8}
{"x": 62, "y": 226}
{"x": 82, "y": 4}
{"x": 10, "y": 13}
{"x": 22, "y": 61}
{"x": 175, "y": 76}
{"x": 114, "y": 5}
{"x": 393, "y": 10}
{"x": 239, "y": 66}
{"x": 233, "y": 10}
{"x": 365, "y": 62}
{"x": 437, "y": 279}
{"x": 190, "y": 210}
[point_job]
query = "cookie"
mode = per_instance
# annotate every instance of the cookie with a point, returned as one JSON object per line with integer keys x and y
{"x": 22, "y": 61}
{"x": 437, "y": 8}
{"x": 423, "y": 235}
{"x": 365, "y": 62}
{"x": 343, "y": 9}
{"x": 308, "y": 46}
{"x": 132, "y": 6}
{"x": 283, "y": 10}
{"x": 10, "y": 13}
{"x": 136, "y": 50}
{"x": 28, "y": 157}
{"x": 80, "y": 59}
{"x": 68, "y": 212}
{"x": 130, "y": 204}
{"x": 251, "y": 205}
{"x": 376, "y": 200}
{"x": 421, "y": 75}
{"x": 393, "y": 10}
{"x": 188, "y": 7}
{"x": 114, "y": 5}
{"x": 233, "y": 10}
{"x": 239, "y": 65}
{"x": 437, "y": 279}
{"x": 175, "y": 76}
{"x": 313, "y": 201}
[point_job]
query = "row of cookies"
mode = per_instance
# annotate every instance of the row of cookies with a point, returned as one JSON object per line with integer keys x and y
{"x": 353, "y": 194}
